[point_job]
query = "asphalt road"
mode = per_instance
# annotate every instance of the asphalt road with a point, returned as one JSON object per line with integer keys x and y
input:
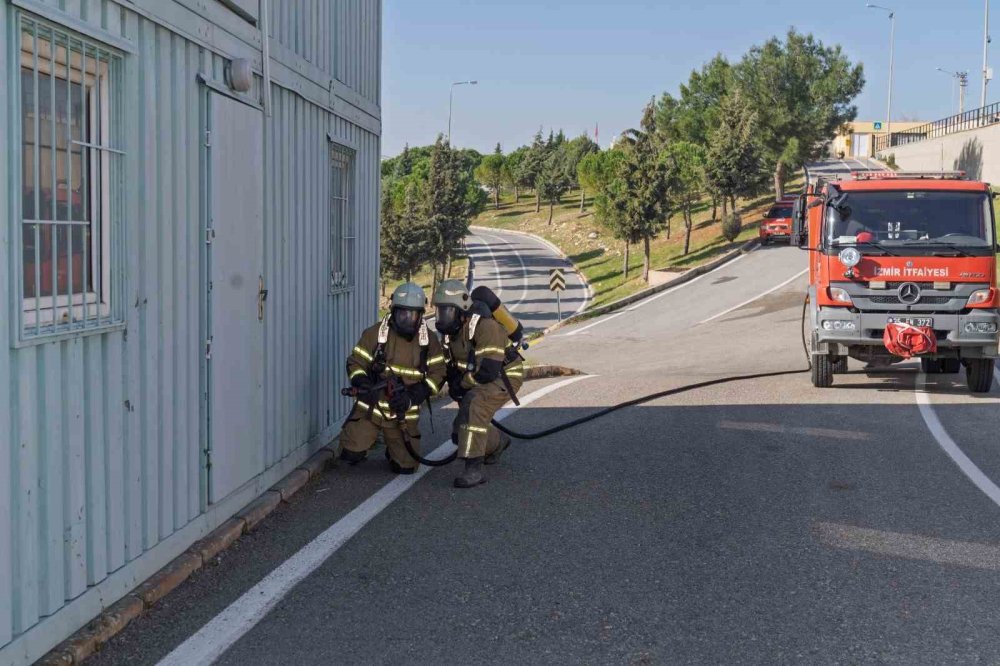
{"x": 756, "y": 522}
{"x": 844, "y": 167}
{"x": 517, "y": 268}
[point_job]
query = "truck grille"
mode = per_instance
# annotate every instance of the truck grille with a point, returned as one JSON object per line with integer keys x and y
{"x": 894, "y": 300}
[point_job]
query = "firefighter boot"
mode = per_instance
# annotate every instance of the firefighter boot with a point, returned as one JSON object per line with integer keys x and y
{"x": 352, "y": 457}
{"x": 494, "y": 458}
{"x": 399, "y": 469}
{"x": 473, "y": 474}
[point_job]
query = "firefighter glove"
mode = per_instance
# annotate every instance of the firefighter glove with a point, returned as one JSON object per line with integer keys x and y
{"x": 400, "y": 402}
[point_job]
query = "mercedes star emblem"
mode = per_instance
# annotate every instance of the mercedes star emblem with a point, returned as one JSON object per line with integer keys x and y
{"x": 909, "y": 293}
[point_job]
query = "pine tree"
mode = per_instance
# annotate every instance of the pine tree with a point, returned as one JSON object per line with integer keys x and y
{"x": 638, "y": 195}
{"x": 734, "y": 161}
{"x": 553, "y": 179}
{"x": 404, "y": 235}
{"x": 531, "y": 165}
{"x": 404, "y": 165}
{"x": 490, "y": 173}
{"x": 450, "y": 195}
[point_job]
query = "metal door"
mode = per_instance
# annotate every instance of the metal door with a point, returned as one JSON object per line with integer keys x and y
{"x": 236, "y": 294}
{"x": 862, "y": 144}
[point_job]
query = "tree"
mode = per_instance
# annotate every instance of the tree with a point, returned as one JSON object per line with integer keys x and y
{"x": 637, "y": 196}
{"x": 596, "y": 170}
{"x": 734, "y": 165}
{"x": 685, "y": 163}
{"x": 512, "y": 172}
{"x": 576, "y": 151}
{"x": 803, "y": 92}
{"x": 405, "y": 235}
{"x": 553, "y": 179}
{"x": 490, "y": 173}
{"x": 531, "y": 165}
{"x": 448, "y": 205}
{"x": 404, "y": 165}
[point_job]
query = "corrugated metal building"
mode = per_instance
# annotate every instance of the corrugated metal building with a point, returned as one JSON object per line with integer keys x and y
{"x": 187, "y": 257}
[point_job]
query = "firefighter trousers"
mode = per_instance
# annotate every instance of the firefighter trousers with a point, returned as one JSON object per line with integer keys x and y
{"x": 472, "y": 431}
{"x": 360, "y": 432}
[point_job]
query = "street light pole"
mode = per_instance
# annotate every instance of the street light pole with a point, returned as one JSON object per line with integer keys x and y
{"x": 451, "y": 97}
{"x": 986, "y": 45}
{"x": 892, "y": 43}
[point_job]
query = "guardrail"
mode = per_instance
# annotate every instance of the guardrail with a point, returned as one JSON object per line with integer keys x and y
{"x": 974, "y": 119}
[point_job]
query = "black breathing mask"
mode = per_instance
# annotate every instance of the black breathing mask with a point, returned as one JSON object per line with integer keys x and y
{"x": 449, "y": 320}
{"x": 406, "y": 322}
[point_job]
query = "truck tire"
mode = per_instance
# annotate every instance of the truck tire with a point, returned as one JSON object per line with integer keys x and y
{"x": 840, "y": 365}
{"x": 822, "y": 372}
{"x": 931, "y": 366}
{"x": 950, "y": 366}
{"x": 979, "y": 374}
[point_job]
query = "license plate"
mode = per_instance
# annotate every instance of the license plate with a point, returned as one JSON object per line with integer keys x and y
{"x": 912, "y": 321}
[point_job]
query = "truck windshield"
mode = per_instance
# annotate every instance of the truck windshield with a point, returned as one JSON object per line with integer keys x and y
{"x": 902, "y": 218}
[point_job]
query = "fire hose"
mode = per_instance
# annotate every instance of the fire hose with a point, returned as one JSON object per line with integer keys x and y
{"x": 600, "y": 413}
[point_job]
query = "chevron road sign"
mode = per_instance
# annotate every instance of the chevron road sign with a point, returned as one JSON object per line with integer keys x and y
{"x": 557, "y": 281}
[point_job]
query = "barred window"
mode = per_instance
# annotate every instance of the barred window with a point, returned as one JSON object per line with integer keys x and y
{"x": 342, "y": 218}
{"x": 69, "y": 177}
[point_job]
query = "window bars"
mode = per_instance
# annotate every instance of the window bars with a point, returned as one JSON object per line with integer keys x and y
{"x": 342, "y": 218}
{"x": 70, "y": 115}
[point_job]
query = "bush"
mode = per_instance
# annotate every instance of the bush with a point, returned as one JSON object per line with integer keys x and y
{"x": 732, "y": 225}
{"x": 890, "y": 161}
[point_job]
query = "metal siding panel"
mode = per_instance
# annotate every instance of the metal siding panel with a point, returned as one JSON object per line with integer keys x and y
{"x": 7, "y": 448}
{"x": 27, "y": 560}
{"x": 165, "y": 331}
{"x": 94, "y": 391}
{"x": 75, "y": 471}
{"x": 181, "y": 290}
{"x": 115, "y": 513}
{"x": 132, "y": 441}
{"x": 272, "y": 322}
{"x": 51, "y": 444}
{"x": 149, "y": 307}
{"x": 192, "y": 337}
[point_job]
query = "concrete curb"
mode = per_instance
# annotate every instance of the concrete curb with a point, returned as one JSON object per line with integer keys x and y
{"x": 691, "y": 274}
{"x": 552, "y": 246}
{"x": 88, "y": 640}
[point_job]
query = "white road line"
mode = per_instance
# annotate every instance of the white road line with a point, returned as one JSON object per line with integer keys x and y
{"x": 524, "y": 269}
{"x": 213, "y": 639}
{"x": 945, "y": 441}
{"x": 755, "y": 298}
{"x": 649, "y": 300}
{"x": 496, "y": 266}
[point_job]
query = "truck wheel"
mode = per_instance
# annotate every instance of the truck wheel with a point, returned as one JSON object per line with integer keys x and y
{"x": 840, "y": 365}
{"x": 822, "y": 372}
{"x": 930, "y": 366}
{"x": 979, "y": 374}
{"x": 950, "y": 366}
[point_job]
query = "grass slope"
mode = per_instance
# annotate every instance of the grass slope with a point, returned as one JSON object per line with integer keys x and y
{"x": 601, "y": 258}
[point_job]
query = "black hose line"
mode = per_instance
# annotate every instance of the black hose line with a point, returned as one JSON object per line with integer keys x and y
{"x": 447, "y": 460}
{"x": 622, "y": 405}
{"x": 641, "y": 400}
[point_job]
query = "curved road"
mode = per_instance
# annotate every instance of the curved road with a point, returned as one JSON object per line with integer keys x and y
{"x": 759, "y": 522}
{"x": 517, "y": 268}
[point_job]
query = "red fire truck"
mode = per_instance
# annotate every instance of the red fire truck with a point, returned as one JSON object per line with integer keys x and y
{"x": 901, "y": 265}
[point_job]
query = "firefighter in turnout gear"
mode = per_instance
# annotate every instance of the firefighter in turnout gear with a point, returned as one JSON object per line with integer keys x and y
{"x": 484, "y": 372}
{"x": 397, "y": 365}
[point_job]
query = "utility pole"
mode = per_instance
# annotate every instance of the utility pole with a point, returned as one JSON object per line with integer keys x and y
{"x": 892, "y": 42}
{"x": 451, "y": 97}
{"x": 963, "y": 82}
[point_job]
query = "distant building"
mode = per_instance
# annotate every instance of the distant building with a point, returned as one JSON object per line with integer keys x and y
{"x": 856, "y": 138}
{"x": 191, "y": 247}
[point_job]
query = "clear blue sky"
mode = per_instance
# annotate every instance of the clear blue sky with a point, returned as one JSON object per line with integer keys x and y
{"x": 573, "y": 64}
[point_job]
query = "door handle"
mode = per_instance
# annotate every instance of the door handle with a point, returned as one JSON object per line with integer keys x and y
{"x": 261, "y": 299}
